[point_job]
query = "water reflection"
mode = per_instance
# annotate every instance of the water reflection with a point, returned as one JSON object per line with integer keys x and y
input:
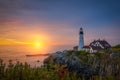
{"x": 18, "y": 53}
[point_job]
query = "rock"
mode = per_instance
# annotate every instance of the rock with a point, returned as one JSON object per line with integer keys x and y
{"x": 115, "y": 55}
{"x": 73, "y": 63}
{"x": 84, "y": 65}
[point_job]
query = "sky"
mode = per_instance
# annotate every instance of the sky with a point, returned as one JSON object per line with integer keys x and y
{"x": 56, "y": 23}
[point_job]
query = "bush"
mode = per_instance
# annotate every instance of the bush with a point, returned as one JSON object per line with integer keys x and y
{"x": 79, "y": 65}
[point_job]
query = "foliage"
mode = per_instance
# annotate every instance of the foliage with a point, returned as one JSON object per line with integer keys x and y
{"x": 79, "y": 65}
{"x": 117, "y": 46}
{"x": 100, "y": 66}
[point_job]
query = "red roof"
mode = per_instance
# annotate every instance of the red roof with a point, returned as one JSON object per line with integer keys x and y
{"x": 86, "y": 46}
{"x": 75, "y": 48}
{"x": 104, "y": 43}
{"x": 96, "y": 48}
{"x": 93, "y": 47}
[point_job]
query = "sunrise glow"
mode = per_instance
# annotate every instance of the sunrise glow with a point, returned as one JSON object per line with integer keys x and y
{"x": 56, "y": 27}
{"x": 38, "y": 44}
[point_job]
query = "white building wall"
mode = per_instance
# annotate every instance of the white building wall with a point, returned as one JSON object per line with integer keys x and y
{"x": 81, "y": 42}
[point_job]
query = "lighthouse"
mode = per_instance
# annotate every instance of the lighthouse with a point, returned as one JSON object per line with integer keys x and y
{"x": 81, "y": 39}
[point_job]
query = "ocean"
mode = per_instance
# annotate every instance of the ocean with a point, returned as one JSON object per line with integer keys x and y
{"x": 18, "y": 53}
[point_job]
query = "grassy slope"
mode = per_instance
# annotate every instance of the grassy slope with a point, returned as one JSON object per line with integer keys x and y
{"x": 109, "y": 68}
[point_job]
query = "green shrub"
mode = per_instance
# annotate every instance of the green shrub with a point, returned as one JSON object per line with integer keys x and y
{"x": 108, "y": 68}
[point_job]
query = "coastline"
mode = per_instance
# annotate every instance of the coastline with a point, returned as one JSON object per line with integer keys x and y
{"x": 34, "y": 55}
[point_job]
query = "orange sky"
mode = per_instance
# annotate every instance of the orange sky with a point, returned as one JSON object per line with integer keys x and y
{"x": 55, "y": 24}
{"x": 51, "y": 35}
{"x": 16, "y": 33}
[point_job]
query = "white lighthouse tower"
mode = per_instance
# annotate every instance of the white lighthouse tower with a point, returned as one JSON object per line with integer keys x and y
{"x": 81, "y": 40}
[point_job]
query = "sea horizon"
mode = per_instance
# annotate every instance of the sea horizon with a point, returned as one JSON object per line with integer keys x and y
{"x": 18, "y": 53}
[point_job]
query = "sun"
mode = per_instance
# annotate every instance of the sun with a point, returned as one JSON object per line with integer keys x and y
{"x": 38, "y": 44}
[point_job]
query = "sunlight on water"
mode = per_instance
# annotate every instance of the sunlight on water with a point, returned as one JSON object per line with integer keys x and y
{"x": 18, "y": 53}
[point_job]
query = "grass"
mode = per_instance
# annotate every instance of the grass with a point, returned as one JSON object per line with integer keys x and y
{"x": 109, "y": 69}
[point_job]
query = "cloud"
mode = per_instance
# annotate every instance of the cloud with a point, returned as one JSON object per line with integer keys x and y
{"x": 61, "y": 10}
{"x": 12, "y": 9}
{"x": 94, "y": 14}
